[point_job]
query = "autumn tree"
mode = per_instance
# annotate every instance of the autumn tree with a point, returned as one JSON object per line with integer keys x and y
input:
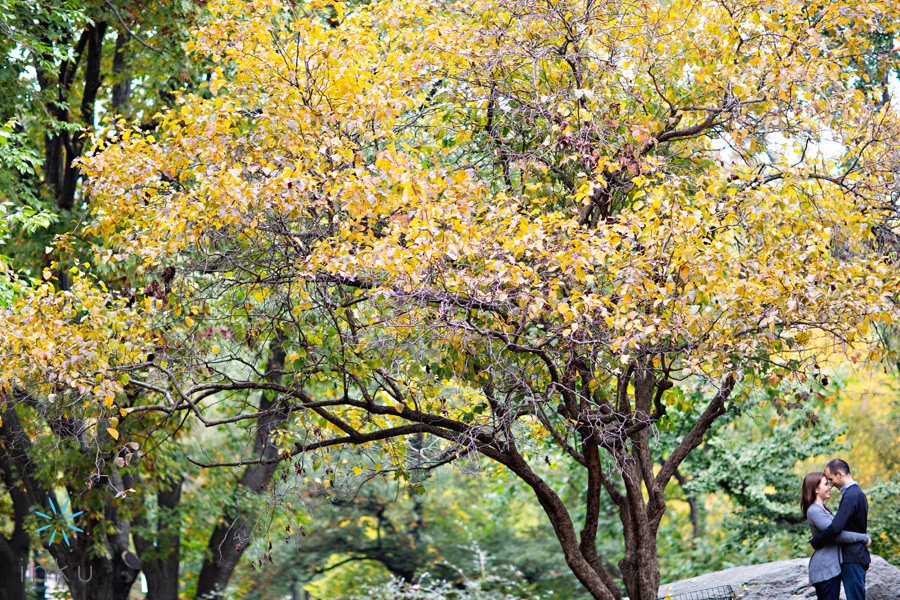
{"x": 504, "y": 227}
{"x": 67, "y": 65}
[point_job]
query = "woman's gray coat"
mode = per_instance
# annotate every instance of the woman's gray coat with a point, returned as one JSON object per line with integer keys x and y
{"x": 826, "y": 563}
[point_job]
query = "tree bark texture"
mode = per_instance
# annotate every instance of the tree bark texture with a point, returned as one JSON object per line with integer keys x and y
{"x": 13, "y": 550}
{"x": 160, "y": 551}
{"x": 121, "y": 89}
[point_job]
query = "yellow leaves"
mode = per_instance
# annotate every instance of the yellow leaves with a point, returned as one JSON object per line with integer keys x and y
{"x": 339, "y": 9}
{"x": 393, "y": 160}
{"x": 113, "y": 432}
{"x": 73, "y": 339}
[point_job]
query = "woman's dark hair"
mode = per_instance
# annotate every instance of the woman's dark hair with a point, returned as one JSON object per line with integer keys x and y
{"x": 808, "y": 492}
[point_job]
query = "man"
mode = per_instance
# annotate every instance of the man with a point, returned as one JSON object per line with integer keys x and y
{"x": 852, "y": 515}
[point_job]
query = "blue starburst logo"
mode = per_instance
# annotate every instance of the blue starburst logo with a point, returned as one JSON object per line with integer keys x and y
{"x": 55, "y": 526}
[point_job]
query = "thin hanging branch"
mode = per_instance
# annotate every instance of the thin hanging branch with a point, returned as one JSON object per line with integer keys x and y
{"x": 128, "y": 29}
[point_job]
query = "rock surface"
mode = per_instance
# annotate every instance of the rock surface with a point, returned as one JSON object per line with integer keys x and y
{"x": 785, "y": 580}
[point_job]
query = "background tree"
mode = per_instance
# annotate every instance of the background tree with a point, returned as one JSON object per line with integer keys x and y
{"x": 68, "y": 66}
{"x": 72, "y": 63}
{"x": 386, "y": 528}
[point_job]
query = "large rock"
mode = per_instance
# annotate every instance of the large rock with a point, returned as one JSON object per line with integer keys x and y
{"x": 785, "y": 580}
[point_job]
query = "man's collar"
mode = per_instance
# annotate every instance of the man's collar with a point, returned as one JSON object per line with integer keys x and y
{"x": 844, "y": 489}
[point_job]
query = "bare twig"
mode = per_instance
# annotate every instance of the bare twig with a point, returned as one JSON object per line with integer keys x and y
{"x": 128, "y": 29}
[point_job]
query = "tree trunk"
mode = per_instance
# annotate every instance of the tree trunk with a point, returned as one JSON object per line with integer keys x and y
{"x": 640, "y": 570}
{"x": 692, "y": 505}
{"x": 563, "y": 527}
{"x": 639, "y": 566}
{"x": 13, "y": 551}
{"x": 12, "y": 569}
{"x": 62, "y": 148}
{"x": 121, "y": 88}
{"x": 160, "y": 556}
{"x": 93, "y": 578}
{"x": 588, "y": 543}
{"x": 232, "y": 536}
{"x": 88, "y": 576}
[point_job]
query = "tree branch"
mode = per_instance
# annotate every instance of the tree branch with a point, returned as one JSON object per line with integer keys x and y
{"x": 715, "y": 409}
{"x": 128, "y": 29}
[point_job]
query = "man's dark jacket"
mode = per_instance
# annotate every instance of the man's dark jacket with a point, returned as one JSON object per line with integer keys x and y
{"x": 852, "y": 515}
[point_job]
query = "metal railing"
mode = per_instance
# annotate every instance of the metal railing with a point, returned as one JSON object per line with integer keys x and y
{"x": 723, "y": 592}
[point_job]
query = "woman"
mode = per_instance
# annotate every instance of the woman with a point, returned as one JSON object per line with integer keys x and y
{"x": 825, "y": 564}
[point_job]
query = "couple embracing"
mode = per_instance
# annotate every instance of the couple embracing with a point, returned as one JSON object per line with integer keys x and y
{"x": 840, "y": 539}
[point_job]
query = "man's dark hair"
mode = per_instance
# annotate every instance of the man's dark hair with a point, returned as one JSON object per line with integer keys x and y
{"x": 836, "y": 465}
